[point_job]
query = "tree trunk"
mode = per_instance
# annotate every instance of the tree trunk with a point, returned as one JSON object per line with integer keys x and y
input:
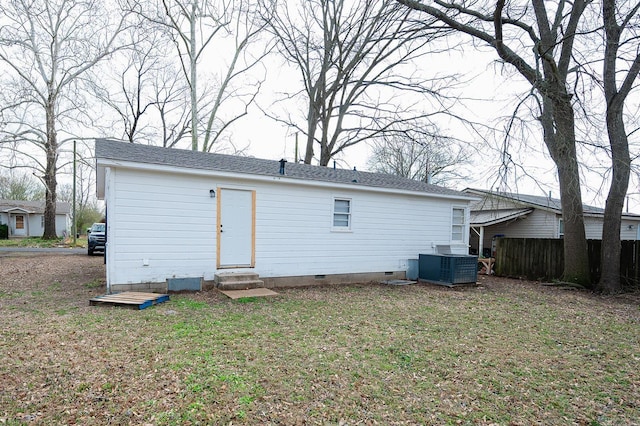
{"x": 619, "y": 143}
{"x": 311, "y": 130}
{"x": 561, "y": 144}
{"x": 312, "y": 126}
{"x": 325, "y": 155}
{"x": 576, "y": 261}
{"x": 621, "y": 168}
{"x": 50, "y": 180}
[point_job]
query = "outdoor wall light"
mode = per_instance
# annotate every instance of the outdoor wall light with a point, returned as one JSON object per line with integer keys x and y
{"x": 212, "y": 193}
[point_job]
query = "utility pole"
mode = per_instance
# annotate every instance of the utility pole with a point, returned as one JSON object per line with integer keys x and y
{"x": 75, "y": 221}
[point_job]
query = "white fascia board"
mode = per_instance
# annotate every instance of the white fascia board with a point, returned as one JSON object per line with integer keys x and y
{"x": 100, "y": 172}
{"x": 102, "y": 163}
{"x": 15, "y": 209}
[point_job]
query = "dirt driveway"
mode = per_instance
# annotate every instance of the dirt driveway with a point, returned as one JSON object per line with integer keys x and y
{"x": 69, "y": 280}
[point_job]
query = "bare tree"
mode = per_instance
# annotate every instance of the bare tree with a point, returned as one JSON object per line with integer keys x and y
{"x": 126, "y": 83}
{"x": 172, "y": 106}
{"x": 418, "y": 153}
{"x": 245, "y": 29}
{"x": 538, "y": 42}
{"x": 621, "y": 66}
{"x": 349, "y": 55}
{"x": 47, "y": 45}
{"x": 195, "y": 26}
{"x": 20, "y": 186}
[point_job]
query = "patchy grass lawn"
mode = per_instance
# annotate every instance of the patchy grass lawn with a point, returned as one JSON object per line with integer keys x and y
{"x": 42, "y": 243}
{"x": 506, "y": 352}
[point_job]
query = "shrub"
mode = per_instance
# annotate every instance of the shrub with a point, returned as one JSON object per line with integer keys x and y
{"x": 4, "y": 232}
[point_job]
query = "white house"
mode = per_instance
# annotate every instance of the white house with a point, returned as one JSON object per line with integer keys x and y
{"x": 175, "y": 214}
{"x": 529, "y": 216}
{"x": 26, "y": 218}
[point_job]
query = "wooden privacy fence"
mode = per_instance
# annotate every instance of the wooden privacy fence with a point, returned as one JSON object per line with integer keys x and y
{"x": 543, "y": 259}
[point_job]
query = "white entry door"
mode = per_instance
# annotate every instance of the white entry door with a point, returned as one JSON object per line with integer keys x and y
{"x": 235, "y": 228}
{"x": 20, "y": 226}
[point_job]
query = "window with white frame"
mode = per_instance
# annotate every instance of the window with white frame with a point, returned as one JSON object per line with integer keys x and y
{"x": 457, "y": 224}
{"x": 561, "y": 228}
{"x": 42, "y": 221}
{"x": 342, "y": 213}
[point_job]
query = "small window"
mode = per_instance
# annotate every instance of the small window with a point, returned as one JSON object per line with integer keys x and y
{"x": 42, "y": 221}
{"x": 561, "y": 228}
{"x": 342, "y": 213}
{"x": 457, "y": 225}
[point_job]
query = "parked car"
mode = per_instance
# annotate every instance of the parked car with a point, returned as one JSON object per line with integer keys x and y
{"x": 97, "y": 237}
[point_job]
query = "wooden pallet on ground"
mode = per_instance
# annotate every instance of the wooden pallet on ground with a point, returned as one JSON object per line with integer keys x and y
{"x": 130, "y": 299}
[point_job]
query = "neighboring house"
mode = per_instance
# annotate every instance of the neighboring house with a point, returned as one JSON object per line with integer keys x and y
{"x": 529, "y": 216}
{"x": 175, "y": 214}
{"x": 26, "y": 218}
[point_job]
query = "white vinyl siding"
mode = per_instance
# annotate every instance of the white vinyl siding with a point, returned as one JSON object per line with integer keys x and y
{"x": 544, "y": 224}
{"x": 169, "y": 219}
{"x": 593, "y": 228}
{"x": 63, "y": 225}
{"x": 537, "y": 224}
{"x": 342, "y": 213}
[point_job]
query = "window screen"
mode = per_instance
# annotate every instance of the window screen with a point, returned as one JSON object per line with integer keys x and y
{"x": 457, "y": 225}
{"x": 341, "y": 213}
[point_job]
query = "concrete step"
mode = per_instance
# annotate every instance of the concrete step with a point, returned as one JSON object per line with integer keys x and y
{"x": 241, "y": 285}
{"x": 229, "y": 277}
{"x": 238, "y": 281}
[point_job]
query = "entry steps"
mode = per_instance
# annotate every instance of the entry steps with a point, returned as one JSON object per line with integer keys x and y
{"x": 237, "y": 281}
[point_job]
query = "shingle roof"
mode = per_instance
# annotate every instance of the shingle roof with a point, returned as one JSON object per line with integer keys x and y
{"x": 32, "y": 206}
{"x": 125, "y": 151}
{"x": 537, "y": 201}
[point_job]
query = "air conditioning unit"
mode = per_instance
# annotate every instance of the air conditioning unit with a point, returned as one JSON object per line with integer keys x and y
{"x": 448, "y": 269}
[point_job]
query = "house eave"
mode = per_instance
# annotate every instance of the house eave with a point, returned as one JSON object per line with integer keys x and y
{"x": 18, "y": 209}
{"x": 521, "y": 214}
